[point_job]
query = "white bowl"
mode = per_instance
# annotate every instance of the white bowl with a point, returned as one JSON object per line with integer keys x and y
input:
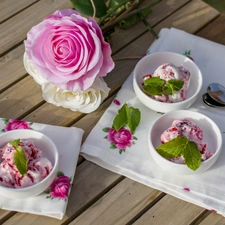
{"x": 49, "y": 151}
{"x": 150, "y": 63}
{"x": 211, "y": 136}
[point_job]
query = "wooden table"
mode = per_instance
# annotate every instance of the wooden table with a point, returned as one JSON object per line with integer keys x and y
{"x": 98, "y": 196}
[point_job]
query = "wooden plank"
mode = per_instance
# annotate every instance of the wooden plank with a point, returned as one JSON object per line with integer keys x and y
{"x": 197, "y": 19}
{"x": 20, "y": 99}
{"x": 99, "y": 180}
{"x": 11, "y": 64}
{"x": 51, "y": 114}
{"x": 192, "y": 17}
{"x": 90, "y": 181}
{"x": 120, "y": 205}
{"x": 5, "y": 214}
{"x": 215, "y": 31}
{"x": 213, "y": 219}
{"x": 10, "y": 7}
{"x": 15, "y": 29}
{"x": 11, "y": 67}
{"x": 170, "y": 210}
{"x": 159, "y": 12}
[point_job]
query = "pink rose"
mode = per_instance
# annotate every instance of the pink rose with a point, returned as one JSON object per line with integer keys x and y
{"x": 16, "y": 124}
{"x": 60, "y": 187}
{"x": 69, "y": 50}
{"x": 121, "y": 138}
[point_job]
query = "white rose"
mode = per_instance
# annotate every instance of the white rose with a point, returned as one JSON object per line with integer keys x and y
{"x": 83, "y": 101}
{"x": 32, "y": 71}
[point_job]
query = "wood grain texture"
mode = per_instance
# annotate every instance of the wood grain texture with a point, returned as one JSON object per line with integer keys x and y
{"x": 20, "y": 99}
{"x": 213, "y": 219}
{"x": 191, "y": 18}
{"x": 215, "y": 31}
{"x": 14, "y": 30}
{"x": 11, "y": 67}
{"x": 120, "y": 205}
{"x": 97, "y": 194}
{"x": 90, "y": 182}
{"x": 159, "y": 12}
{"x": 10, "y": 7}
{"x": 170, "y": 210}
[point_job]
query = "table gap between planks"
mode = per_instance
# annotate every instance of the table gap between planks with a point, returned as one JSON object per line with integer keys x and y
{"x": 98, "y": 196}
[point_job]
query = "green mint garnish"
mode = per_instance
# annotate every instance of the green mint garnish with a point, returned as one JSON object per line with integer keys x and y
{"x": 181, "y": 146}
{"x": 19, "y": 157}
{"x": 127, "y": 115}
{"x": 157, "y": 86}
{"x": 15, "y": 143}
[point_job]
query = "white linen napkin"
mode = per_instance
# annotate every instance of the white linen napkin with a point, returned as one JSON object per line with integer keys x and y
{"x": 206, "y": 189}
{"x": 68, "y": 142}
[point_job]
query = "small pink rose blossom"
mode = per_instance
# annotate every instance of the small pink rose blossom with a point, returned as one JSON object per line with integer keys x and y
{"x": 60, "y": 187}
{"x": 186, "y": 189}
{"x": 69, "y": 50}
{"x": 16, "y": 124}
{"x": 116, "y": 102}
{"x": 121, "y": 138}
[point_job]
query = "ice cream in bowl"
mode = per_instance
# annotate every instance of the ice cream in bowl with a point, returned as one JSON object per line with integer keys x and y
{"x": 28, "y": 163}
{"x": 185, "y": 142}
{"x": 167, "y": 81}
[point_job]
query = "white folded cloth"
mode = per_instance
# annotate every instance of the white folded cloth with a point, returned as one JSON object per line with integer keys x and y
{"x": 206, "y": 189}
{"x": 68, "y": 142}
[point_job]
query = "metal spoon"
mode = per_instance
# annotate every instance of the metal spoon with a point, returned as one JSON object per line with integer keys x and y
{"x": 210, "y": 101}
{"x": 216, "y": 92}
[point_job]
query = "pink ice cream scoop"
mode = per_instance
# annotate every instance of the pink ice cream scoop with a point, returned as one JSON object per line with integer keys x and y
{"x": 167, "y": 72}
{"x": 190, "y": 130}
{"x": 38, "y": 167}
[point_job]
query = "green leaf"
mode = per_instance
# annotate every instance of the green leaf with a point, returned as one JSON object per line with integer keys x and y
{"x": 121, "y": 118}
{"x": 181, "y": 146}
{"x": 153, "y": 86}
{"x": 106, "y": 129}
{"x": 6, "y": 121}
{"x": 60, "y": 173}
{"x": 152, "y": 89}
{"x": 20, "y": 161}
{"x": 192, "y": 155}
{"x": 133, "y": 19}
{"x": 15, "y": 143}
{"x": 114, "y": 3}
{"x": 155, "y": 81}
{"x": 133, "y": 117}
{"x": 85, "y": 7}
{"x": 157, "y": 86}
{"x": 121, "y": 151}
{"x": 168, "y": 90}
{"x": 112, "y": 146}
{"x": 175, "y": 85}
{"x": 173, "y": 148}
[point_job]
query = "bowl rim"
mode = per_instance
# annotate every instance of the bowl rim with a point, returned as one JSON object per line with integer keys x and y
{"x": 169, "y": 53}
{"x": 56, "y": 153}
{"x": 219, "y": 139}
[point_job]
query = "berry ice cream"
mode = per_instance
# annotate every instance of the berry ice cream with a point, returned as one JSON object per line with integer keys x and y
{"x": 38, "y": 167}
{"x": 167, "y": 72}
{"x": 190, "y": 130}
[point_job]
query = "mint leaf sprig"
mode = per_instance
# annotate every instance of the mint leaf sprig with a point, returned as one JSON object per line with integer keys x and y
{"x": 19, "y": 157}
{"x": 127, "y": 116}
{"x": 157, "y": 86}
{"x": 181, "y": 146}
